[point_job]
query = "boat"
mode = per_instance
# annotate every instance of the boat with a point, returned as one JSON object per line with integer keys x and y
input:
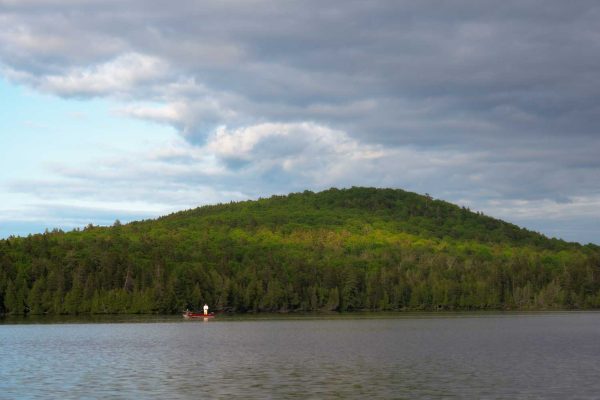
{"x": 197, "y": 315}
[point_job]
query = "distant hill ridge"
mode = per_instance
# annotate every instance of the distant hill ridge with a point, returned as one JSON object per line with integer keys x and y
{"x": 336, "y": 250}
{"x": 399, "y": 209}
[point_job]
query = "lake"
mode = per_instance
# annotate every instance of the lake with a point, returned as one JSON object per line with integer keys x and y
{"x": 497, "y": 355}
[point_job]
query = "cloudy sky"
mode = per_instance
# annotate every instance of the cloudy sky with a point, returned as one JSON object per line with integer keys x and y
{"x": 133, "y": 109}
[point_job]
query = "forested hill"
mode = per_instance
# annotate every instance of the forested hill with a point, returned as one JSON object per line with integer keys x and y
{"x": 337, "y": 250}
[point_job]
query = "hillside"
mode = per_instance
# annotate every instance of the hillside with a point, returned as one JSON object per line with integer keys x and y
{"x": 337, "y": 250}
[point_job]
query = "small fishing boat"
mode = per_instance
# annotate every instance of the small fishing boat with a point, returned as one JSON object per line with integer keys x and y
{"x": 197, "y": 315}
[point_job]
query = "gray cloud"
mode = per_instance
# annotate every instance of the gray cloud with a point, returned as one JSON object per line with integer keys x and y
{"x": 506, "y": 95}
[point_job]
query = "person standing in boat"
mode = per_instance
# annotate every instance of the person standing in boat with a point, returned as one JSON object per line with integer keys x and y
{"x": 206, "y": 309}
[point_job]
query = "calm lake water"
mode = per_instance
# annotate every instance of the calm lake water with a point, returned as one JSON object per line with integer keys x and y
{"x": 537, "y": 355}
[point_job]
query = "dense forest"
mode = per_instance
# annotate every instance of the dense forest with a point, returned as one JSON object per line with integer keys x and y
{"x": 337, "y": 250}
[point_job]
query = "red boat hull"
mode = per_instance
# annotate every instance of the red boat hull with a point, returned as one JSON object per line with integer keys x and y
{"x": 193, "y": 315}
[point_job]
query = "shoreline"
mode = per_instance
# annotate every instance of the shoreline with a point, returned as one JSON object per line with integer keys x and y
{"x": 239, "y": 317}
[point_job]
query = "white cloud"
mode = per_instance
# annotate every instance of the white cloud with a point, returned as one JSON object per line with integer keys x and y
{"x": 168, "y": 114}
{"x": 119, "y": 77}
{"x": 296, "y": 148}
{"x": 188, "y": 118}
{"x": 116, "y": 76}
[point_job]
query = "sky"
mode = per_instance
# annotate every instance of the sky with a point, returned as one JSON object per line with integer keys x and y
{"x": 134, "y": 109}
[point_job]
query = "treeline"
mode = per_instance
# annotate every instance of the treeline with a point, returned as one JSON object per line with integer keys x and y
{"x": 337, "y": 250}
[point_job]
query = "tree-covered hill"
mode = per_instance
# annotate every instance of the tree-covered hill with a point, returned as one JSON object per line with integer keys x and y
{"x": 337, "y": 250}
